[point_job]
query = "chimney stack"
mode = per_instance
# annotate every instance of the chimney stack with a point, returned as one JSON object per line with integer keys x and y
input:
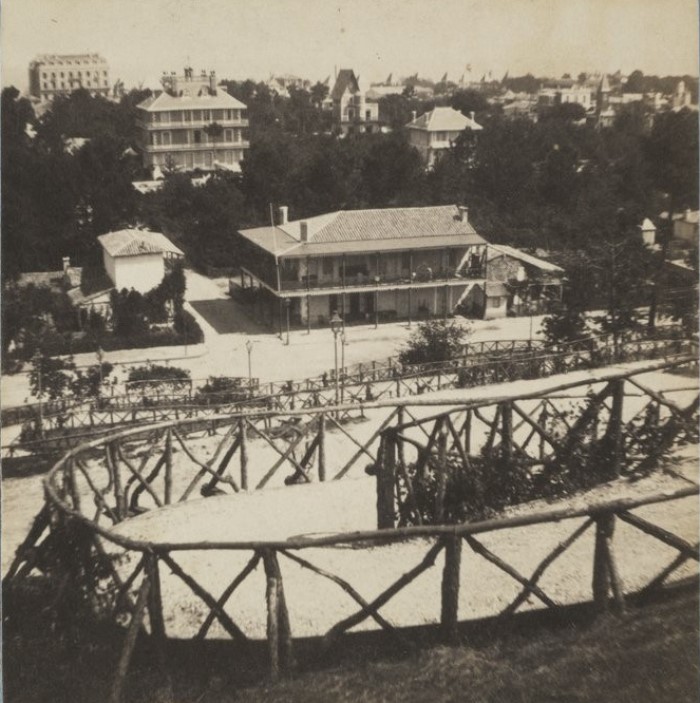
{"x": 283, "y": 213}
{"x": 304, "y": 231}
{"x": 212, "y": 82}
{"x": 413, "y": 115}
{"x": 66, "y": 264}
{"x": 463, "y": 213}
{"x": 471, "y": 115}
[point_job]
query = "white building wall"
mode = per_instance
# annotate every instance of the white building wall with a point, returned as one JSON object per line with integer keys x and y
{"x": 142, "y": 273}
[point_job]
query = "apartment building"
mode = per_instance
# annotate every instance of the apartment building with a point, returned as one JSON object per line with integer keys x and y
{"x": 192, "y": 124}
{"x": 51, "y": 75}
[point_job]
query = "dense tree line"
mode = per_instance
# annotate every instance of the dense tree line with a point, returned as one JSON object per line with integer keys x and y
{"x": 555, "y": 184}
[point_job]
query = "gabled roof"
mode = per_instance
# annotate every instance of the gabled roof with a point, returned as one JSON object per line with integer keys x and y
{"x": 345, "y": 79}
{"x": 348, "y": 231}
{"x": 135, "y": 242}
{"x": 494, "y": 251}
{"x": 444, "y": 119}
{"x": 165, "y": 101}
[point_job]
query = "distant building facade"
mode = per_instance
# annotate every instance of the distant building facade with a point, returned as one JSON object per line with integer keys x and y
{"x": 137, "y": 259}
{"x": 192, "y": 124}
{"x": 434, "y": 132}
{"x": 384, "y": 265}
{"x": 353, "y": 111}
{"x": 51, "y": 75}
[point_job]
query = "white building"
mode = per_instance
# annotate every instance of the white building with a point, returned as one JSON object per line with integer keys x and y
{"x": 434, "y": 132}
{"x": 51, "y": 75}
{"x": 353, "y": 112}
{"x": 135, "y": 258}
{"x": 177, "y": 127}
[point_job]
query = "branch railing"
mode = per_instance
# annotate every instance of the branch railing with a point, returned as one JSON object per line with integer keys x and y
{"x": 626, "y": 425}
{"x": 410, "y": 381}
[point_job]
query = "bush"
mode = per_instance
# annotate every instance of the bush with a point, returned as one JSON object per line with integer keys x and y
{"x": 153, "y": 372}
{"x": 433, "y": 341}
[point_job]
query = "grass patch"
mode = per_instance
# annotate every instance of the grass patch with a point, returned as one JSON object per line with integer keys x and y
{"x": 649, "y": 655}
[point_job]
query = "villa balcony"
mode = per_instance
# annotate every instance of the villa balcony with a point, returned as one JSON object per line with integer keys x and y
{"x": 419, "y": 279}
{"x": 206, "y": 146}
{"x": 193, "y": 124}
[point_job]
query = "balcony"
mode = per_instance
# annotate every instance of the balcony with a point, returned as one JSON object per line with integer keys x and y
{"x": 207, "y": 146}
{"x": 423, "y": 278}
{"x": 192, "y": 124}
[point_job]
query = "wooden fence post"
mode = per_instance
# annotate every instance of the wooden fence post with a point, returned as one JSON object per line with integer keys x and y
{"x": 606, "y": 578}
{"x": 155, "y": 615}
{"x": 507, "y": 430}
{"x": 386, "y": 470}
{"x": 168, "y": 468}
{"x": 442, "y": 470}
{"x": 322, "y": 447}
{"x": 242, "y": 433}
{"x": 615, "y": 426}
{"x": 449, "y": 616}
{"x": 279, "y": 636}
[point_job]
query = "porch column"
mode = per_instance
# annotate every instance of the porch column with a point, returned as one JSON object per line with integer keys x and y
{"x": 308, "y": 299}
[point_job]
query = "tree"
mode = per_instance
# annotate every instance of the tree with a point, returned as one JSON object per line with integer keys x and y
{"x": 50, "y": 377}
{"x": 567, "y": 322}
{"x": 434, "y": 340}
{"x": 214, "y": 132}
{"x": 635, "y": 83}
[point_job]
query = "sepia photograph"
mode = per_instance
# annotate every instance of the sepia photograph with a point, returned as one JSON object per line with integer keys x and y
{"x": 350, "y": 351}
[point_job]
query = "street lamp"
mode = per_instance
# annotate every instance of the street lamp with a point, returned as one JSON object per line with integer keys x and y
{"x": 336, "y": 323}
{"x": 287, "y": 303}
{"x": 376, "y": 302}
{"x": 37, "y": 359}
{"x": 249, "y": 349}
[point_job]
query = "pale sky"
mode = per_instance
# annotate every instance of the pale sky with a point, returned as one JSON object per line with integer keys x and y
{"x": 253, "y": 38}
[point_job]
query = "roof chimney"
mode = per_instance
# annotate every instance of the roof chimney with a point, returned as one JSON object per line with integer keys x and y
{"x": 304, "y": 231}
{"x": 413, "y": 115}
{"x": 463, "y": 213}
{"x": 212, "y": 82}
{"x": 283, "y": 213}
{"x": 66, "y": 263}
{"x": 471, "y": 115}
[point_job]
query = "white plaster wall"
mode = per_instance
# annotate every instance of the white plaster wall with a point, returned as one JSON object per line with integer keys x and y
{"x": 142, "y": 273}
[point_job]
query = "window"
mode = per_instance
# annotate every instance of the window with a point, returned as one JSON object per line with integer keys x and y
{"x": 327, "y": 263}
{"x": 197, "y": 116}
{"x": 166, "y": 138}
{"x": 186, "y": 116}
{"x": 165, "y": 117}
{"x": 228, "y": 135}
{"x": 368, "y": 115}
{"x": 197, "y": 136}
{"x": 206, "y": 115}
{"x": 494, "y": 302}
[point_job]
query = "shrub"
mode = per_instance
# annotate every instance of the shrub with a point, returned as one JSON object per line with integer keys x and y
{"x": 434, "y": 340}
{"x": 153, "y": 372}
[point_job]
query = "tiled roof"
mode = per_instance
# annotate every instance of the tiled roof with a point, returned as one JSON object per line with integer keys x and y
{"x": 369, "y": 230}
{"x": 133, "y": 242}
{"x": 165, "y": 101}
{"x": 444, "y": 119}
{"x": 345, "y": 79}
{"x": 494, "y": 251}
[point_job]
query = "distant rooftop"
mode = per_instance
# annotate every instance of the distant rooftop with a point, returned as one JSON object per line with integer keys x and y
{"x": 134, "y": 242}
{"x": 444, "y": 119}
{"x": 347, "y": 231}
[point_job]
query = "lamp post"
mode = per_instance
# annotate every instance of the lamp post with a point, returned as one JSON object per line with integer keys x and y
{"x": 336, "y": 323}
{"x": 40, "y": 391}
{"x": 287, "y": 304}
{"x": 342, "y": 365}
{"x": 249, "y": 349}
{"x": 376, "y": 302}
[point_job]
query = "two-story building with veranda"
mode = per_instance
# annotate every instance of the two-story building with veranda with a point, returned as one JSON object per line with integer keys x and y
{"x": 436, "y": 131}
{"x": 53, "y": 75}
{"x": 366, "y": 265}
{"x": 192, "y": 124}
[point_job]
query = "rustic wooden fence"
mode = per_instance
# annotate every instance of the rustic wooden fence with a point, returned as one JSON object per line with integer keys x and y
{"x": 112, "y": 479}
{"x": 66, "y": 429}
